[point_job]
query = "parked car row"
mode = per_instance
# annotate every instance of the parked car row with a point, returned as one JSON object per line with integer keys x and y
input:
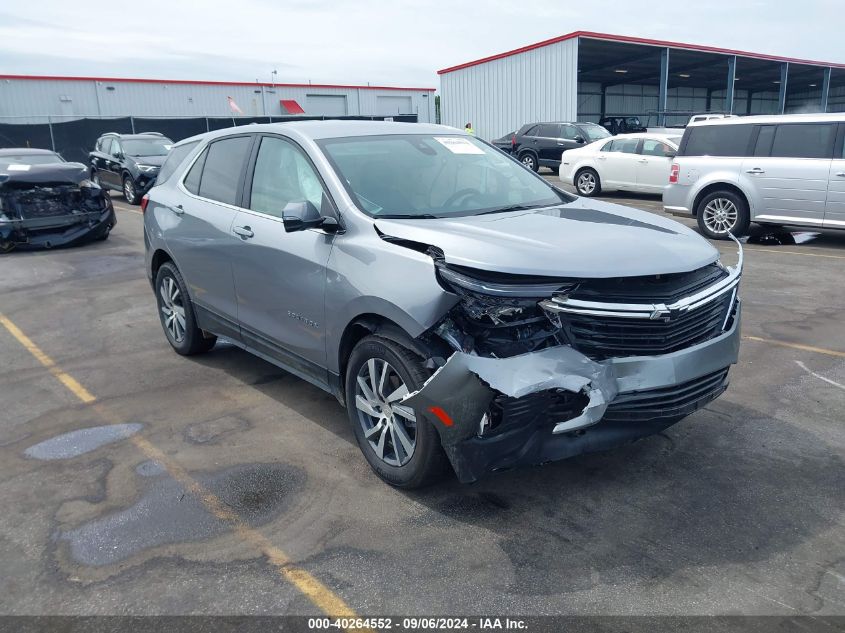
{"x": 538, "y": 145}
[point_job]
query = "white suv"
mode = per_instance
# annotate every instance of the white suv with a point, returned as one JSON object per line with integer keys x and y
{"x": 783, "y": 170}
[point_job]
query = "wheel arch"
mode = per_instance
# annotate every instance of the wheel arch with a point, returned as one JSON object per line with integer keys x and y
{"x": 160, "y": 256}
{"x": 372, "y": 323}
{"x": 719, "y": 186}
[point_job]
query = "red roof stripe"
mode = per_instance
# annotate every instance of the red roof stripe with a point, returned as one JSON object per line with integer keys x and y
{"x": 195, "y": 82}
{"x": 636, "y": 40}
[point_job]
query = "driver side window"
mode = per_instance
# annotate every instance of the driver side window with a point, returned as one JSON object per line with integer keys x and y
{"x": 282, "y": 174}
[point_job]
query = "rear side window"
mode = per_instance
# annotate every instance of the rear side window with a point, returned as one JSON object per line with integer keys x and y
{"x": 549, "y": 130}
{"x": 192, "y": 180}
{"x": 174, "y": 159}
{"x": 532, "y": 131}
{"x": 718, "y": 140}
{"x": 622, "y": 145}
{"x": 803, "y": 140}
{"x": 221, "y": 172}
{"x": 655, "y": 148}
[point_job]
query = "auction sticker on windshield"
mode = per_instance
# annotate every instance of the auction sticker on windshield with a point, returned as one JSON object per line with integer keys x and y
{"x": 458, "y": 145}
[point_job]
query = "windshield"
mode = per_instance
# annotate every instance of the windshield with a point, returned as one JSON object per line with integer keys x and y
{"x": 147, "y": 147}
{"x": 29, "y": 159}
{"x": 425, "y": 176}
{"x": 595, "y": 132}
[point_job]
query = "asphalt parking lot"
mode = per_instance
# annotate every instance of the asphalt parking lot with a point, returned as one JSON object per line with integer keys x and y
{"x": 221, "y": 484}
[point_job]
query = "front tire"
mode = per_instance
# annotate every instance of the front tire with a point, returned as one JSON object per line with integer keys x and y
{"x": 722, "y": 212}
{"x": 130, "y": 192}
{"x": 529, "y": 159}
{"x": 176, "y": 313}
{"x": 401, "y": 446}
{"x": 588, "y": 183}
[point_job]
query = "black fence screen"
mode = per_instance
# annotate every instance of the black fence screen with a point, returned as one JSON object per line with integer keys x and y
{"x": 74, "y": 139}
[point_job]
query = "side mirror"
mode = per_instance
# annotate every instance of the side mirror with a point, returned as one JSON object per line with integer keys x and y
{"x": 579, "y": 139}
{"x": 300, "y": 216}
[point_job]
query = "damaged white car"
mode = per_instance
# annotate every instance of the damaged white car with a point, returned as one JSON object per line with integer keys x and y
{"x": 465, "y": 310}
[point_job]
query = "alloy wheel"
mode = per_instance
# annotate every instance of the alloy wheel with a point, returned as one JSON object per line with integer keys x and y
{"x": 172, "y": 308}
{"x": 586, "y": 183}
{"x": 129, "y": 191}
{"x": 389, "y": 427}
{"x": 528, "y": 161}
{"x": 720, "y": 215}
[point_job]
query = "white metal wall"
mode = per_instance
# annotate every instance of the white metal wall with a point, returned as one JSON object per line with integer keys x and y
{"x": 35, "y": 98}
{"x": 499, "y": 96}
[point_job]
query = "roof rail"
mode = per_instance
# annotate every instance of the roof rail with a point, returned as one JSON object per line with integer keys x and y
{"x": 152, "y": 133}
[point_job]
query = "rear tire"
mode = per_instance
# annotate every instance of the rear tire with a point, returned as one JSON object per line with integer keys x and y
{"x": 403, "y": 467}
{"x": 529, "y": 159}
{"x": 587, "y": 182}
{"x": 722, "y": 212}
{"x": 176, "y": 313}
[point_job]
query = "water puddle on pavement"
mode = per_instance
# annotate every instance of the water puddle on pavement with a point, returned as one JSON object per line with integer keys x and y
{"x": 82, "y": 441}
{"x": 167, "y": 514}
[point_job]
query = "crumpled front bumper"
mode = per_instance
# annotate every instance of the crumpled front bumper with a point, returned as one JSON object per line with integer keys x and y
{"x": 459, "y": 394}
{"x": 59, "y": 230}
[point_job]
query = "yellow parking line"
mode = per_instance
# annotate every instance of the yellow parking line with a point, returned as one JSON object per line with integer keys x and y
{"x": 320, "y": 595}
{"x": 66, "y": 379}
{"x": 772, "y": 250}
{"x": 805, "y": 348}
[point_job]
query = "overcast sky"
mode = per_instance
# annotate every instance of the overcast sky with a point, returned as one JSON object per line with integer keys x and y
{"x": 362, "y": 41}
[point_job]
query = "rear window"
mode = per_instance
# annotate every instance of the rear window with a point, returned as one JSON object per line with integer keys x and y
{"x": 221, "y": 173}
{"x": 718, "y": 140}
{"x": 803, "y": 140}
{"x": 174, "y": 159}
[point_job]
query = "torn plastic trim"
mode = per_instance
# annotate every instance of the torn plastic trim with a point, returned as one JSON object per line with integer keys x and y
{"x": 466, "y": 384}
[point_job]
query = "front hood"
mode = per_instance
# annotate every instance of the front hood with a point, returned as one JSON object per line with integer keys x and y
{"x": 156, "y": 161}
{"x": 47, "y": 174}
{"x": 585, "y": 238}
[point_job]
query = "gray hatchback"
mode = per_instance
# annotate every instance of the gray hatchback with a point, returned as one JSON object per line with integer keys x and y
{"x": 466, "y": 312}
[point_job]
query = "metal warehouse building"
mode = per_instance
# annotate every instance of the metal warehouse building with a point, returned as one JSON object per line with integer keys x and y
{"x": 31, "y": 99}
{"x": 584, "y": 76}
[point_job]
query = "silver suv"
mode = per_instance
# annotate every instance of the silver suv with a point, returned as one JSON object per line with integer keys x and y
{"x": 463, "y": 309}
{"x": 774, "y": 170}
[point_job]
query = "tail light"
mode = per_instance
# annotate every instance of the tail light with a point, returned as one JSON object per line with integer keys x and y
{"x": 513, "y": 140}
{"x": 144, "y": 202}
{"x": 674, "y": 172}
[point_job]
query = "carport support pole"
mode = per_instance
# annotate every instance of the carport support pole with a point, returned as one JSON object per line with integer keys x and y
{"x": 663, "y": 95}
{"x": 784, "y": 77}
{"x": 729, "y": 91}
{"x": 52, "y": 139}
{"x": 825, "y": 89}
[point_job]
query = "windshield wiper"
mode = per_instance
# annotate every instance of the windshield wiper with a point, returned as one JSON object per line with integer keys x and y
{"x": 516, "y": 207}
{"x": 407, "y": 216}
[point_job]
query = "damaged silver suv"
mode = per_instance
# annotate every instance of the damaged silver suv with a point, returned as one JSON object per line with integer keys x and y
{"x": 463, "y": 309}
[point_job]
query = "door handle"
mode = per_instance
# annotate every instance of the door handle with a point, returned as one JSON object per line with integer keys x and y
{"x": 756, "y": 170}
{"x": 841, "y": 174}
{"x": 244, "y": 231}
{"x": 178, "y": 210}
{"x": 643, "y": 160}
